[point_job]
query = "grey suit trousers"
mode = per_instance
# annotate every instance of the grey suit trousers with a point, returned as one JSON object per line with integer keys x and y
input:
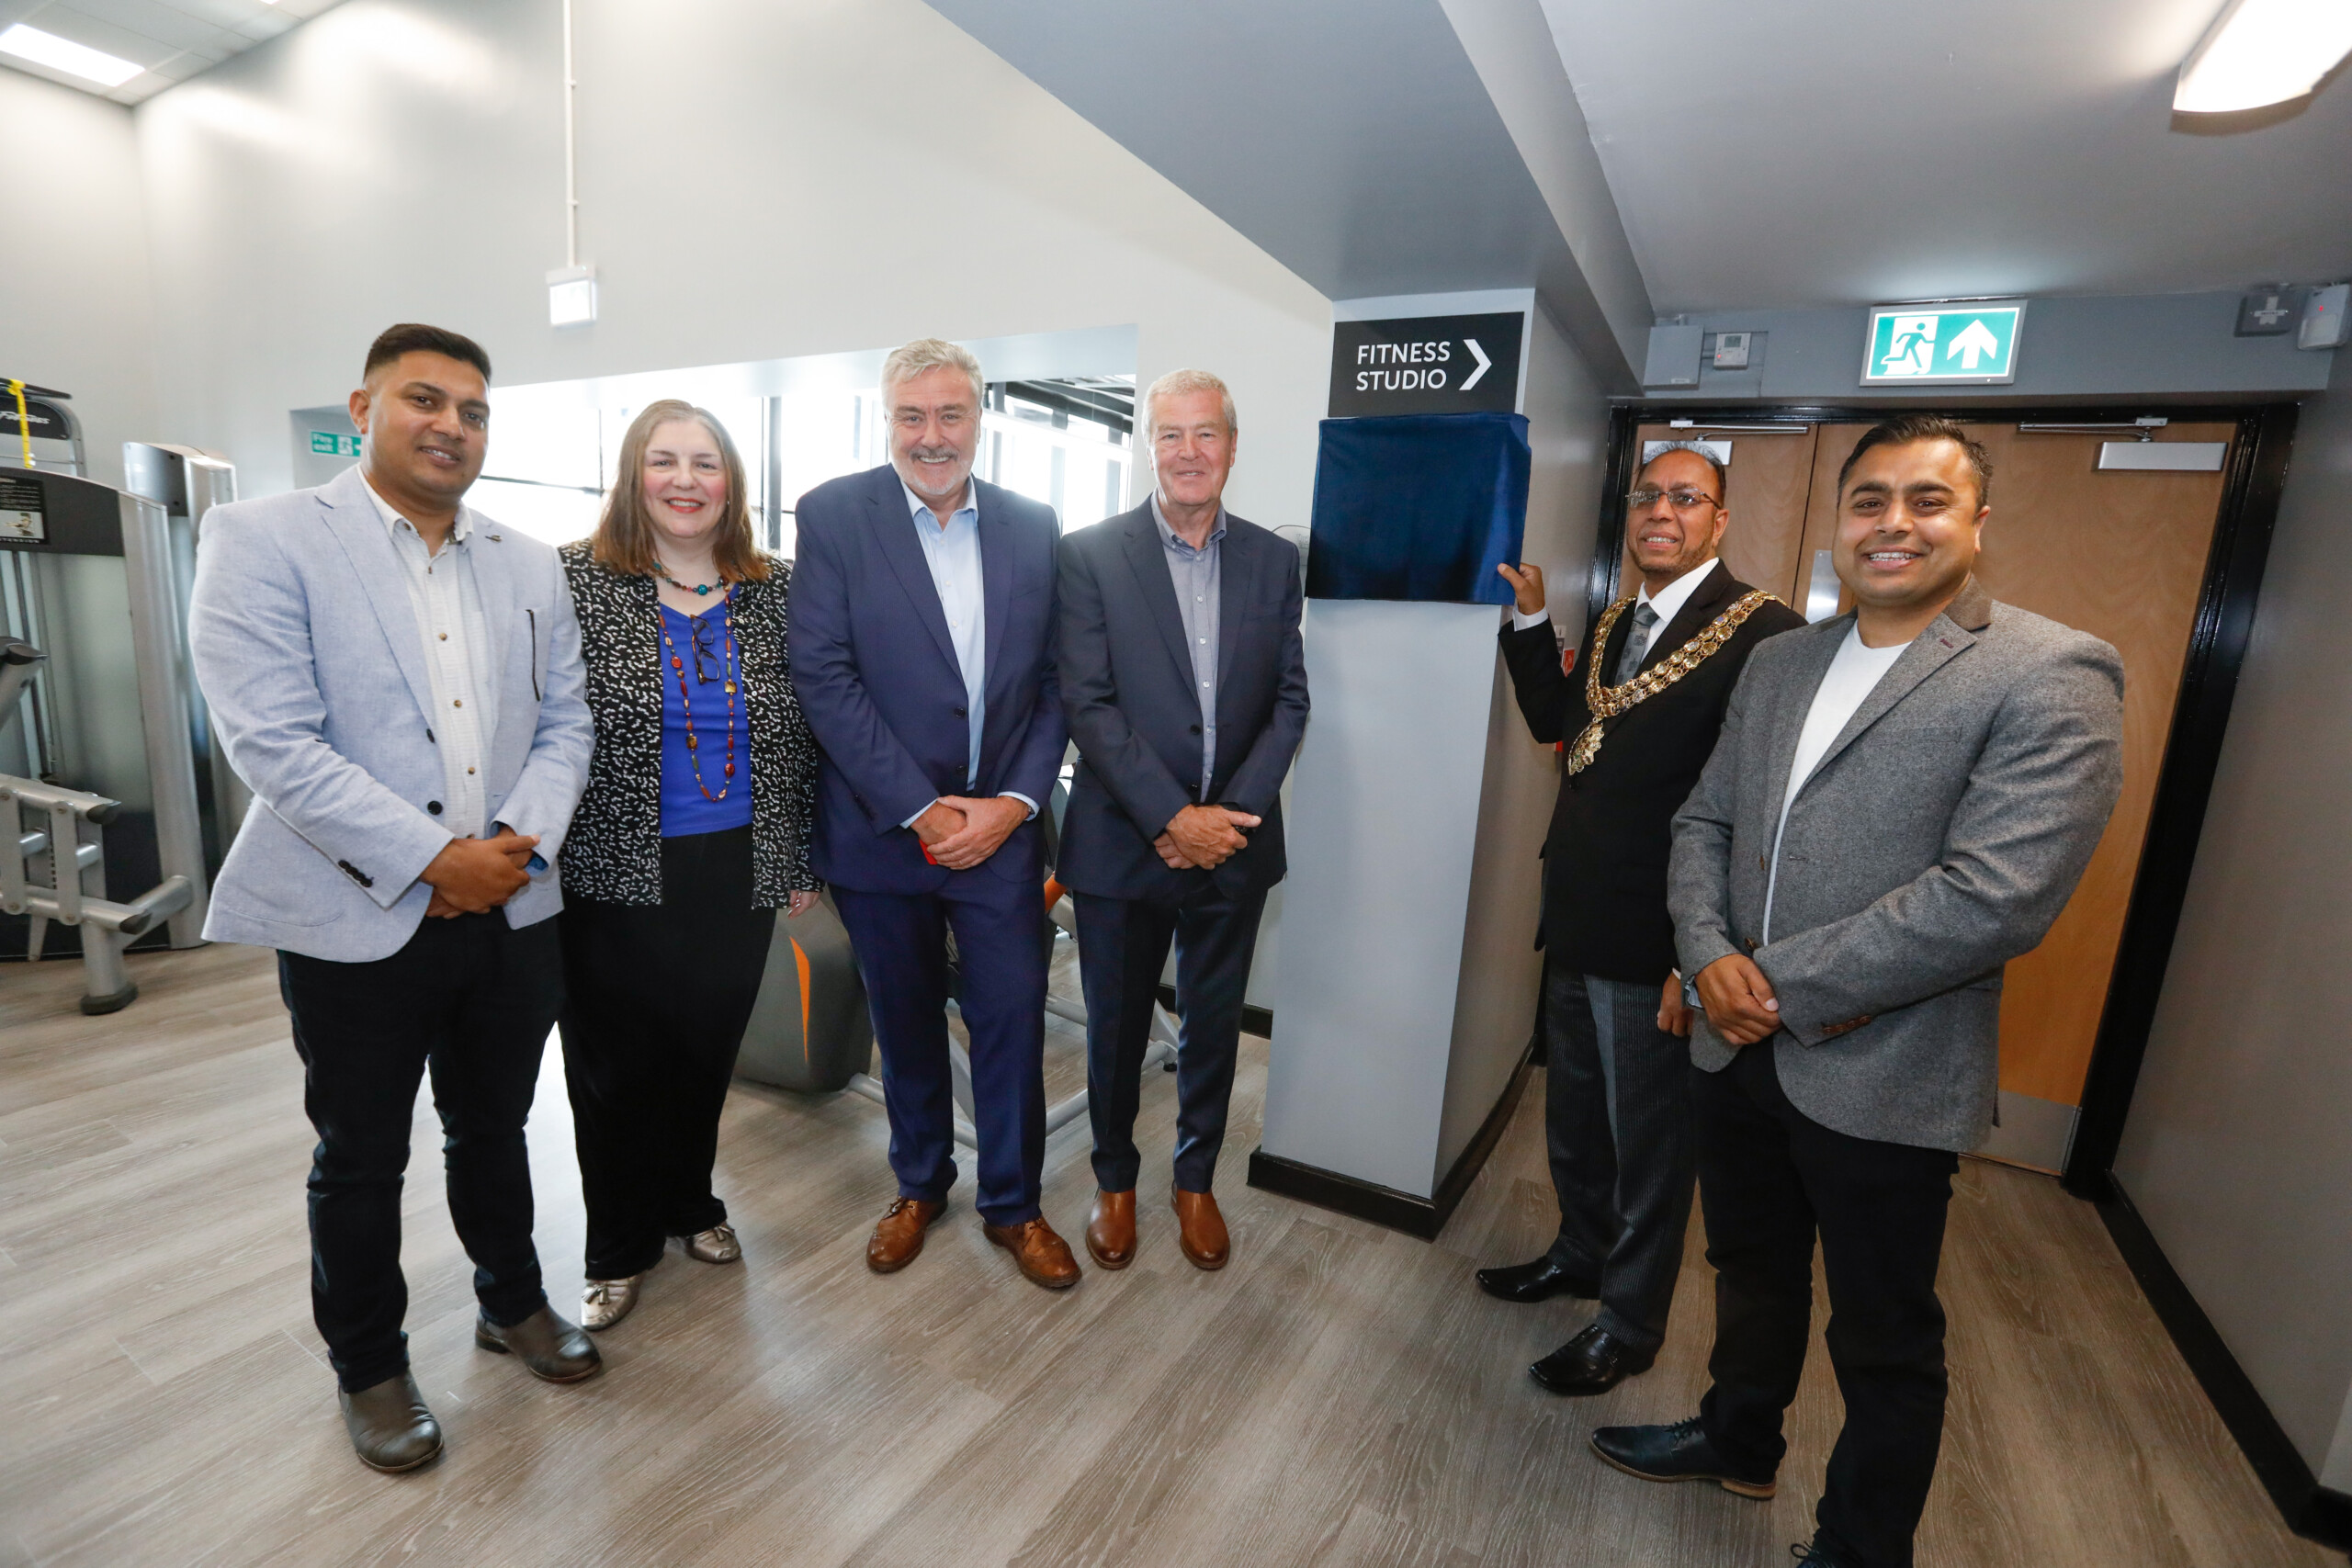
{"x": 1617, "y": 1121}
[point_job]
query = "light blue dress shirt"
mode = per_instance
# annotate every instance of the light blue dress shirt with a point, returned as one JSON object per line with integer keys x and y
{"x": 953, "y": 553}
{"x": 1199, "y": 578}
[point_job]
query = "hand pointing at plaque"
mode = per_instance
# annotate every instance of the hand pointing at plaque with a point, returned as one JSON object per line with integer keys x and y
{"x": 1527, "y": 582}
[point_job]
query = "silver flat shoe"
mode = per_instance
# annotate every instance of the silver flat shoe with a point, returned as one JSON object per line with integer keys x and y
{"x": 717, "y": 1245}
{"x": 606, "y": 1302}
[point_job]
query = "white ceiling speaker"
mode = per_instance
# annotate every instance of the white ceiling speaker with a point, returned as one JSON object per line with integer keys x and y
{"x": 2259, "y": 52}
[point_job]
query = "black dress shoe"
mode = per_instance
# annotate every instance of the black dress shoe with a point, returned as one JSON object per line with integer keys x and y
{"x": 1680, "y": 1452}
{"x": 1593, "y": 1363}
{"x": 1536, "y": 1281}
{"x": 548, "y": 1346}
{"x": 1814, "y": 1555}
{"x": 391, "y": 1428}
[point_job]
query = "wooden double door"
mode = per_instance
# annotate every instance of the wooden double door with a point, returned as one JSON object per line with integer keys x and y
{"x": 2119, "y": 554}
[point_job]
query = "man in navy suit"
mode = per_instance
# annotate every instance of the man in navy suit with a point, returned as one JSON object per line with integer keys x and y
{"x": 1185, "y": 683}
{"x": 923, "y": 650}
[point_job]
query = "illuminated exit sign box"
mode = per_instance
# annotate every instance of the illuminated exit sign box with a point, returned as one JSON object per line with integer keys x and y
{"x": 1943, "y": 345}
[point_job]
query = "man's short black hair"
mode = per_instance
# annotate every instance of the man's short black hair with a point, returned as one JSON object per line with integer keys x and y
{"x": 415, "y": 337}
{"x": 1697, "y": 450}
{"x": 1904, "y": 429}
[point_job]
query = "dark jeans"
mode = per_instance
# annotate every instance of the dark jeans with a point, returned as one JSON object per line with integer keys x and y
{"x": 900, "y": 939}
{"x": 656, "y": 999}
{"x": 472, "y": 1001}
{"x": 1122, "y": 949}
{"x": 1617, "y": 1120}
{"x": 1770, "y": 1177}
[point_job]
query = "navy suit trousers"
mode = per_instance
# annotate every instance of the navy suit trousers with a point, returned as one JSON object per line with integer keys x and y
{"x": 1123, "y": 947}
{"x": 902, "y": 944}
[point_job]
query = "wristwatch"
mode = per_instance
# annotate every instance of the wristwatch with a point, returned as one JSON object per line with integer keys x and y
{"x": 1690, "y": 991}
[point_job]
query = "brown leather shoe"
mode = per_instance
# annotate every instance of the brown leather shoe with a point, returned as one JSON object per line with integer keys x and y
{"x": 1043, "y": 1256}
{"x": 1200, "y": 1230}
{"x": 550, "y": 1348}
{"x": 391, "y": 1428}
{"x": 897, "y": 1234}
{"x": 1111, "y": 1229}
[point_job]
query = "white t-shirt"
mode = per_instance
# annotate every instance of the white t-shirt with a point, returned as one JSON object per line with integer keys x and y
{"x": 1850, "y": 679}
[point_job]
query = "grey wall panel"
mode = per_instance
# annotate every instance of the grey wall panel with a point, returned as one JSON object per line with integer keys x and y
{"x": 1567, "y": 417}
{"x": 1393, "y": 760}
{"x": 2151, "y": 346}
{"x": 2236, "y": 1152}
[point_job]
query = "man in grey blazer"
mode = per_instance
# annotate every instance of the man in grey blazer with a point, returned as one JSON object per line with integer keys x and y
{"x": 1902, "y": 801}
{"x": 399, "y": 681}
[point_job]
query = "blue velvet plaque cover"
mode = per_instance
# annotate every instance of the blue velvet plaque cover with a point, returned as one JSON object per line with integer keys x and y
{"x": 1419, "y": 507}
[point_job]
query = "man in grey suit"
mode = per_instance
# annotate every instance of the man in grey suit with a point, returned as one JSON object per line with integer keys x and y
{"x": 1185, "y": 684}
{"x": 399, "y": 680}
{"x": 1902, "y": 801}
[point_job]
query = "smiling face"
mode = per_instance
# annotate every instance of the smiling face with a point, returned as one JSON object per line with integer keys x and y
{"x": 934, "y": 431}
{"x": 1192, "y": 448}
{"x": 1909, "y": 524}
{"x": 1682, "y": 528}
{"x": 427, "y": 420}
{"x": 684, "y": 478}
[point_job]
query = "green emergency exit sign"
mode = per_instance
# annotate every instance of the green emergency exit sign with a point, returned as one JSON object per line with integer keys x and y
{"x": 327, "y": 444}
{"x": 1943, "y": 344}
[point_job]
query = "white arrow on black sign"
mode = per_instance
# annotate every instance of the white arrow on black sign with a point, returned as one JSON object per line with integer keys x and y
{"x": 1484, "y": 363}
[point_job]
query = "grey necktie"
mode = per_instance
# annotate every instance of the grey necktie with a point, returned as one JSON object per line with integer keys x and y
{"x": 1637, "y": 642}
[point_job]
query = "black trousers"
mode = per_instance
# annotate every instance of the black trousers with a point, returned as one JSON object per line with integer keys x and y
{"x": 1121, "y": 951}
{"x": 1770, "y": 1179}
{"x": 1617, "y": 1120}
{"x": 656, "y": 999}
{"x": 472, "y": 1001}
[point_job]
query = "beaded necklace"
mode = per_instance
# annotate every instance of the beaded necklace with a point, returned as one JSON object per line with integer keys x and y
{"x": 685, "y": 703}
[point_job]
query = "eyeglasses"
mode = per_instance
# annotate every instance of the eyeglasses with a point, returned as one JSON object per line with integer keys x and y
{"x": 704, "y": 639}
{"x": 1684, "y": 500}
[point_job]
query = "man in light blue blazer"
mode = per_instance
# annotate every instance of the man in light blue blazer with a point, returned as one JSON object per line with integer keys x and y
{"x": 399, "y": 681}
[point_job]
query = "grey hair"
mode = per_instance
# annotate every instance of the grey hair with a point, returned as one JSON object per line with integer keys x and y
{"x": 1177, "y": 382}
{"x": 1723, "y": 480}
{"x": 926, "y": 354}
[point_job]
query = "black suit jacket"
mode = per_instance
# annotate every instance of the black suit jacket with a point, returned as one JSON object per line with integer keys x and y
{"x": 1604, "y": 862}
{"x": 1127, "y": 691}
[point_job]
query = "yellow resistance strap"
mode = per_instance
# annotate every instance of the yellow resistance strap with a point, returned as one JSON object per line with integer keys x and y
{"x": 24, "y": 424}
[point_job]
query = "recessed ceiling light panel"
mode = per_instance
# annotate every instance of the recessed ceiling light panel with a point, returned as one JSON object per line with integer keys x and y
{"x": 64, "y": 54}
{"x": 2263, "y": 51}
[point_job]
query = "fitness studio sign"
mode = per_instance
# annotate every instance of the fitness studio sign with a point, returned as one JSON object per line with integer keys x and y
{"x": 1426, "y": 365}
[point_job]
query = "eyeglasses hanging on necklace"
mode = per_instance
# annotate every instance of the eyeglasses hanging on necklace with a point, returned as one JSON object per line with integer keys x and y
{"x": 729, "y": 668}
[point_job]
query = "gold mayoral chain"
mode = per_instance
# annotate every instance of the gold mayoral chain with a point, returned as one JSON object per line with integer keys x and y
{"x": 1606, "y": 702}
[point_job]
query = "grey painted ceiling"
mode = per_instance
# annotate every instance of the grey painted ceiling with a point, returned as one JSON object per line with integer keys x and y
{"x": 1350, "y": 139}
{"x": 173, "y": 39}
{"x": 1838, "y": 151}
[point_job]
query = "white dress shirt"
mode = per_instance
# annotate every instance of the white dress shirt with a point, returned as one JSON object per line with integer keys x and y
{"x": 441, "y": 590}
{"x": 1666, "y": 604}
{"x": 1852, "y": 676}
{"x": 953, "y": 553}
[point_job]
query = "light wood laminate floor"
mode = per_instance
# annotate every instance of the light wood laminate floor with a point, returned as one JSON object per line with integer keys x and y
{"x": 1339, "y": 1395}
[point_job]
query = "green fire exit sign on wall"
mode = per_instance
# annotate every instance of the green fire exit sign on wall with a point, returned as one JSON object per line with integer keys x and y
{"x": 1942, "y": 344}
{"x": 327, "y": 444}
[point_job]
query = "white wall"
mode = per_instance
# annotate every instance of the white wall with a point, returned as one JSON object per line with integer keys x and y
{"x": 2237, "y": 1153}
{"x": 79, "y": 315}
{"x": 758, "y": 179}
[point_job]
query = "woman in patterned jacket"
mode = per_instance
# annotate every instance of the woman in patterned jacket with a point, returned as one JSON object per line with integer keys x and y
{"x": 693, "y": 831}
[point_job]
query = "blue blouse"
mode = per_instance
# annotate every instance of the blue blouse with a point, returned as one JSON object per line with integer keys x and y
{"x": 702, "y": 643}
